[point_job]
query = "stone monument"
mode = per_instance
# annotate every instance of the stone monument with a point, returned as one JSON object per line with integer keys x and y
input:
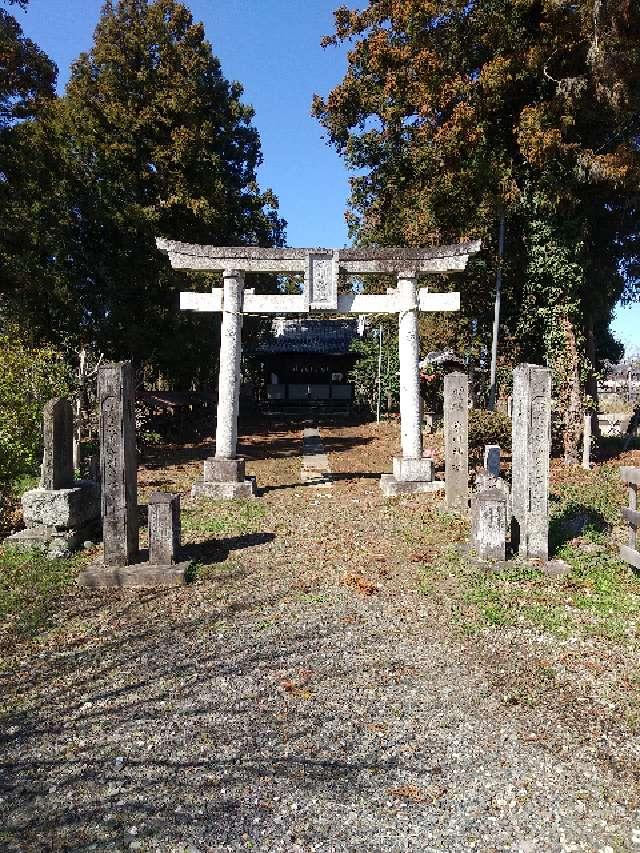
{"x": 224, "y": 474}
{"x": 164, "y": 529}
{"x": 531, "y": 449}
{"x": 63, "y": 512}
{"x": 489, "y": 524}
{"x": 456, "y": 440}
{"x": 492, "y": 459}
{"x": 120, "y": 566}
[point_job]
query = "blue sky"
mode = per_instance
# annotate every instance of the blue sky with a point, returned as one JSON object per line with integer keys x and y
{"x": 273, "y": 48}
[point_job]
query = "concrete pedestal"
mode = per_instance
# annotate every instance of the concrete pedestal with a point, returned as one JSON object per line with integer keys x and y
{"x": 224, "y": 479}
{"x": 135, "y": 576}
{"x": 62, "y": 508}
{"x": 391, "y": 487}
{"x": 57, "y": 544}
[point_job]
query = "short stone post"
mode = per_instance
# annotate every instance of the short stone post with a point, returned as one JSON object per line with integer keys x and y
{"x": 456, "y": 440}
{"x": 586, "y": 443}
{"x": 631, "y": 478}
{"x": 57, "y": 460}
{"x": 164, "y": 529}
{"x": 531, "y": 449}
{"x": 492, "y": 459}
{"x": 224, "y": 473}
{"x": 118, "y": 463}
{"x": 489, "y": 530}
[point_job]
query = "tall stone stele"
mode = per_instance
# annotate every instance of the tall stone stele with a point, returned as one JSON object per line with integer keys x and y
{"x": 57, "y": 459}
{"x": 531, "y": 450}
{"x": 456, "y": 441}
{"x": 118, "y": 463}
{"x": 62, "y": 513}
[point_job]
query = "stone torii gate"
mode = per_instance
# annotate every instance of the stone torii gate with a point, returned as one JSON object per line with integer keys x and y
{"x": 224, "y": 474}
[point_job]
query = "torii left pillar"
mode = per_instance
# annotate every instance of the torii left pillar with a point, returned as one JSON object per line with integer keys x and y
{"x": 224, "y": 474}
{"x": 411, "y": 472}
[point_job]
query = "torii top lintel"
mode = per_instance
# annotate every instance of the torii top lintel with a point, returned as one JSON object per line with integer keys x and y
{"x": 321, "y": 268}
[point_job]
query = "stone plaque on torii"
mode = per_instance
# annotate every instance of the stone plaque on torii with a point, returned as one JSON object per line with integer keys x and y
{"x": 224, "y": 473}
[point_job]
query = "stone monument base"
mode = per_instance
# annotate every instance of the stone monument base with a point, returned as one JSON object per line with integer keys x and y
{"x": 224, "y": 479}
{"x": 407, "y": 470}
{"x": 62, "y": 509}
{"x": 136, "y": 576}
{"x": 391, "y": 487}
{"x": 57, "y": 544}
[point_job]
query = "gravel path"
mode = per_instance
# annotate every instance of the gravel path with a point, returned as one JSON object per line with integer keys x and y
{"x": 286, "y": 705}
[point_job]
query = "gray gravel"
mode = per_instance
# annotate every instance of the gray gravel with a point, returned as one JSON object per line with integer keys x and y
{"x": 338, "y": 726}
{"x": 273, "y": 711}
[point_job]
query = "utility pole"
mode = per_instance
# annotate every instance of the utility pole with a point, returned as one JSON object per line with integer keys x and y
{"x": 496, "y": 317}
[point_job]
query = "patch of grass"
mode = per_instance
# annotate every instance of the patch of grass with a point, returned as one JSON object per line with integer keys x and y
{"x": 583, "y": 501}
{"x": 30, "y": 587}
{"x": 223, "y": 518}
{"x": 206, "y": 571}
{"x": 600, "y": 597}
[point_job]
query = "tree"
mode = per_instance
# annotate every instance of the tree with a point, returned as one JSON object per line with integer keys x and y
{"x": 27, "y": 75}
{"x": 165, "y": 146}
{"x": 149, "y": 139}
{"x": 452, "y": 111}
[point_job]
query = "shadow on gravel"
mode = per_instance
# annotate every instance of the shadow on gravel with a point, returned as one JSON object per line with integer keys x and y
{"x": 170, "y": 730}
{"x": 218, "y": 550}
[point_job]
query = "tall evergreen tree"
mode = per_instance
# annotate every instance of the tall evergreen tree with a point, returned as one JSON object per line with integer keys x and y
{"x": 455, "y": 111}
{"x": 162, "y": 144}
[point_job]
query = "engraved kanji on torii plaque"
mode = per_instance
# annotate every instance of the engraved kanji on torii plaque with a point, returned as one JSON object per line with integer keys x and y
{"x": 321, "y": 269}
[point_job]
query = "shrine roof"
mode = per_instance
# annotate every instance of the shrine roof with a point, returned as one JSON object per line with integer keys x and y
{"x": 322, "y": 337}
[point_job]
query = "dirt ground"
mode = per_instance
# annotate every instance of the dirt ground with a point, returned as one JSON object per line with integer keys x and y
{"x": 336, "y": 677}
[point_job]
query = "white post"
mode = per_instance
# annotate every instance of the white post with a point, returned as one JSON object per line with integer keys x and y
{"x": 586, "y": 443}
{"x": 493, "y": 393}
{"x": 410, "y": 426}
{"x": 379, "y": 374}
{"x": 77, "y": 430}
{"x": 229, "y": 381}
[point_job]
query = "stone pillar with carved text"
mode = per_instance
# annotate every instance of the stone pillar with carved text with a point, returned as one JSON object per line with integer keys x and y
{"x": 531, "y": 449}
{"x": 118, "y": 463}
{"x": 456, "y": 440}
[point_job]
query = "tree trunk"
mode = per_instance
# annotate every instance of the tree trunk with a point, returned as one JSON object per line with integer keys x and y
{"x": 571, "y": 395}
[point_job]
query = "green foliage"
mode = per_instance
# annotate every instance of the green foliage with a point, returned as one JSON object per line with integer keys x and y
{"x": 30, "y": 588}
{"x": 364, "y": 373}
{"x": 27, "y": 75}
{"x": 453, "y": 113}
{"x": 28, "y": 378}
{"x": 150, "y": 139}
{"x": 487, "y": 427}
